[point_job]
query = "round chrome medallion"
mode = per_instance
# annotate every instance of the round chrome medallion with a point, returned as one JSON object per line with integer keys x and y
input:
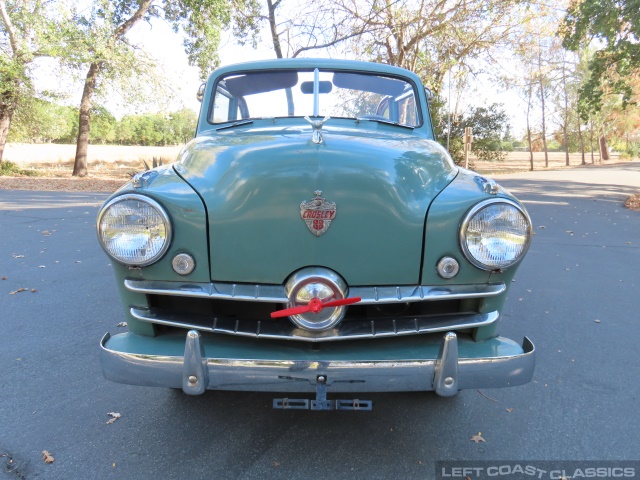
{"x": 321, "y": 284}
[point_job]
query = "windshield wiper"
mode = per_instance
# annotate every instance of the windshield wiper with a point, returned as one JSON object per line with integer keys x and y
{"x": 386, "y": 122}
{"x": 235, "y": 124}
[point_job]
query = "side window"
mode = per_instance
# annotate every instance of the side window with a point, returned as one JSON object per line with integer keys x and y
{"x": 225, "y": 107}
{"x": 383, "y": 108}
{"x": 221, "y": 105}
{"x": 407, "y": 111}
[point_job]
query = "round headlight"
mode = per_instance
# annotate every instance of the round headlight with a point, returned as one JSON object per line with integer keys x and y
{"x": 134, "y": 230}
{"x": 495, "y": 234}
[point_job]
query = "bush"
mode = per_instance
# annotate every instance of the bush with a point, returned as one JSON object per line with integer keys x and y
{"x": 10, "y": 169}
{"x": 633, "y": 150}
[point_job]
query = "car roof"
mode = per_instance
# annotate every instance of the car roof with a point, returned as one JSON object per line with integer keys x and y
{"x": 320, "y": 63}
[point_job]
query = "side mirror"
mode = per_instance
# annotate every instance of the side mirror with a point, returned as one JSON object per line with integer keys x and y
{"x": 200, "y": 93}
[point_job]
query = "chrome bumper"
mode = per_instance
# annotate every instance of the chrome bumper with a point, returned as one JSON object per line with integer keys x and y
{"x": 443, "y": 366}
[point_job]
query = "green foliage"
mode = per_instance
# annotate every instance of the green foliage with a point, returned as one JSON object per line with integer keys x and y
{"x": 633, "y": 150}
{"x": 489, "y": 124}
{"x": 103, "y": 125}
{"x": 10, "y": 169}
{"x": 38, "y": 120}
{"x": 157, "y": 129}
{"x": 41, "y": 121}
{"x": 28, "y": 30}
{"x": 617, "y": 25}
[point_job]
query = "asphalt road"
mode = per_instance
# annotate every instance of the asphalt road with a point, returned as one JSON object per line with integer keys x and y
{"x": 577, "y": 296}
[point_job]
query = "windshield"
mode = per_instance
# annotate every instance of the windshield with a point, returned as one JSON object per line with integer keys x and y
{"x": 290, "y": 93}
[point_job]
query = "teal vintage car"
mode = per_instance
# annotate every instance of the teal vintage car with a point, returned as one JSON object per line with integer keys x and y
{"x": 314, "y": 238}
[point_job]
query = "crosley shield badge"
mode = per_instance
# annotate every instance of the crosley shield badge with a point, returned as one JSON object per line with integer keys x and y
{"x": 318, "y": 213}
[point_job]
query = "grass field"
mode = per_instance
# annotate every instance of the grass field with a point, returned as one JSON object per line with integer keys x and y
{"x": 114, "y": 158}
{"x": 50, "y": 153}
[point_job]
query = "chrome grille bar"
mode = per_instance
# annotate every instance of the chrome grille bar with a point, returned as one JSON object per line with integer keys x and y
{"x": 275, "y": 293}
{"x": 347, "y": 330}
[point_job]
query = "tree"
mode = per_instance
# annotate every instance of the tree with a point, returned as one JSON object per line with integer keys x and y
{"x": 429, "y": 37}
{"x": 38, "y": 120}
{"x": 183, "y": 126}
{"x": 29, "y": 29}
{"x": 108, "y": 53}
{"x": 304, "y": 26}
{"x": 489, "y": 124}
{"x": 616, "y": 25}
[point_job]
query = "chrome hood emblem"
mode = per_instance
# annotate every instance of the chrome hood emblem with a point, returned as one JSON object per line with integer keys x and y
{"x": 316, "y": 137}
{"x": 318, "y": 214}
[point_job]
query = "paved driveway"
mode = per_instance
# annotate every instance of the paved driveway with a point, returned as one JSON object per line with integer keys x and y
{"x": 577, "y": 296}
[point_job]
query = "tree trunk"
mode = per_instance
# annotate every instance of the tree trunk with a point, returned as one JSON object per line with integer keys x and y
{"x": 5, "y": 122}
{"x": 275, "y": 38}
{"x": 565, "y": 124}
{"x": 566, "y": 144}
{"x": 84, "y": 125}
{"x": 544, "y": 126}
{"x": 529, "y": 130}
{"x": 604, "y": 150}
{"x": 8, "y": 104}
{"x": 591, "y": 141}
{"x": 581, "y": 142}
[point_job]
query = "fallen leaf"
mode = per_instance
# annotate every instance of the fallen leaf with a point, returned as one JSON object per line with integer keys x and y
{"x": 18, "y": 291}
{"x": 122, "y": 324}
{"x": 4, "y": 278}
{"x": 115, "y": 416}
{"x": 47, "y": 457}
{"x": 477, "y": 438}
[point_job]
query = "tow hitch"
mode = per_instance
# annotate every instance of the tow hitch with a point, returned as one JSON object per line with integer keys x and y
{"x": 321, "y": 402}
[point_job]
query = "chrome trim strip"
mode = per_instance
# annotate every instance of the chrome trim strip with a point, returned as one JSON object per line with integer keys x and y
{"x": 264, "y": 375}
{"x": 276, "y": 293}
{"x": 347, "y": 330}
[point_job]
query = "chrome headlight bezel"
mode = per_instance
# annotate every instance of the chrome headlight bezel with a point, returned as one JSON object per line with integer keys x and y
{"x": 465, "y": 226}
{"x": 161, "y": 213}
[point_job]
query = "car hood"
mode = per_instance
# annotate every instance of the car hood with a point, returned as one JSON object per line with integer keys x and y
{"x": 254, "y": 181}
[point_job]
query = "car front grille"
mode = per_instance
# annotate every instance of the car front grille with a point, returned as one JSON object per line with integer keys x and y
{"x": 245, "y": 310}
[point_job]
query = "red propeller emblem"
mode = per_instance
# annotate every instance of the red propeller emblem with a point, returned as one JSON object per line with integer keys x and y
{"x": 314, "y": 306}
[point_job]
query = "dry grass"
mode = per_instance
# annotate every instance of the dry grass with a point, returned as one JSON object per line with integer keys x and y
{"x": 44, "y": 167}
